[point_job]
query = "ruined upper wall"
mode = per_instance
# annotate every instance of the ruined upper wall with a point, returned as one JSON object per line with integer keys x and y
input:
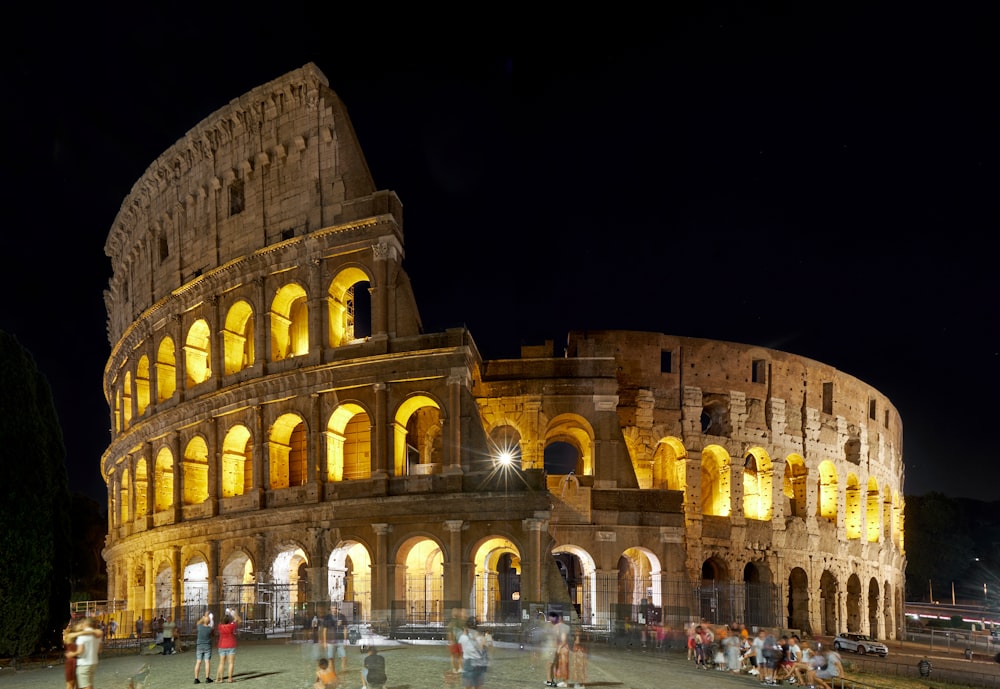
{"x": 280, "y": 161}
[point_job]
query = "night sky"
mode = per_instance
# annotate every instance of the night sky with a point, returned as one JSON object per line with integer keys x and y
{"x": 820, "y": 181}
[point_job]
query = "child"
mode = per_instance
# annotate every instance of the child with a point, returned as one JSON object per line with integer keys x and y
{"x": 326, "y": 676}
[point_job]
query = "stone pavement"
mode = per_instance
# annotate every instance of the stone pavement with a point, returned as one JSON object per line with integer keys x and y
{"x": 279, "y": 664}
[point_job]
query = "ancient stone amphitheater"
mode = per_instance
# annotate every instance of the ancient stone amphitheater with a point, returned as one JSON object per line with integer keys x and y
{"x": 287, "y": 436}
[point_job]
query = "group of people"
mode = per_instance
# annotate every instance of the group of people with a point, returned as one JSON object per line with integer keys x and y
{"x": 774, "y": 660}
{"x": 82, "y": 640}
{"x": 469, "y": 649}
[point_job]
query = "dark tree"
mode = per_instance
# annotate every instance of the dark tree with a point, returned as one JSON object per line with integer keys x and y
{"x": 940, "y": 545}
{"x": 34, "y": 503}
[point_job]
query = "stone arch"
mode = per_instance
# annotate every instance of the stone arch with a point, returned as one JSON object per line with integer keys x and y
{"x": 853, "y": 603}
{"x": 829, "y": 617}
{"x": 758, "y": 474}
{"x": 166, "y": 370}
{"x": 827, "y": 494}
{"x": 758, "y": 603}
{"x": 567, "y": 435}
{"x": 496, "y": 594}
{"x": 238, "y": 575}
{"x": 289, "y": 322}
{"x": 238, "y": 337}
{"x": 142, "y": 385}
{"x": 289, "y": 585}
{"x": 287, "y": 452}
{"x": 417, "y": 435}
{"x": 715, "y": 415}
{"x": 798, "y": 600}
{"x": 163, "y": 589}
{"x": 873, "y": 608}
{"x": 715, "y": 479}
{"x": 164, "y": 480}
{"x": 872, "y": 526}
{"x": 126, "y": 403}
{"x": 419, "y": 583}
{"x": 715, "y": 591}
{"x": 349, "y": 307}
{"x": 198, "y": 353}
{"x": 237, "y": 462}
{"x": 350, "y": 578}
{"x": 118, "y": 411}
{"x": 123, "y": 492}
{"x": 579, "y": 571}
{"x": 194, "y": 592}
{"x": 348, "y": 443}
{"x": 669, "y": 467}
{"x": 794, "y": 486}
{"x": 194, "y": 472}
{"x": 141, "y": 484}
{"x": 852, "y": 508}
{"x": 637, "y": 569}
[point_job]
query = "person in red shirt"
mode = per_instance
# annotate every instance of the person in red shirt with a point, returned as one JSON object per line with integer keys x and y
{"x": 227, "y": 643}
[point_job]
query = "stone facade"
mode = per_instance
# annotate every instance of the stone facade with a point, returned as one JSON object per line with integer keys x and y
{"x": 285, "y": 434}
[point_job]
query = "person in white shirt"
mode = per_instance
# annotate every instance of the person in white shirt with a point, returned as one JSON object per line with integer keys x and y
{"x": 88, "y": 649}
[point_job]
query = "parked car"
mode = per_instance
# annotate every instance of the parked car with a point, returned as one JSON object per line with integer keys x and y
{"x": 859, "y": 643}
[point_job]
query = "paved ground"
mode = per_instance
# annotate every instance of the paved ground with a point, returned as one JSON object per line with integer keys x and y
{"x": 280, "y": 665}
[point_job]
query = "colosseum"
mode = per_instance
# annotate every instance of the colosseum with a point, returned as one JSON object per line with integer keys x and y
{"x": 286, "y": 437}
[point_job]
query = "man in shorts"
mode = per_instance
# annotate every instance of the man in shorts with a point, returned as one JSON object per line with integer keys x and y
{"x": 203, "y": 647}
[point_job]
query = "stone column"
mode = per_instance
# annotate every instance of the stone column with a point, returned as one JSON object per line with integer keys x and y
{"x": 380, "y": 432}
{"x": 533, "y": 567}
{"x": 452, "y": 445}
{"x": 262, "y": 326}
{"x": 214, "y": 465}
{"x": 453, "y": 581}
{"x": 150, "y": 484}
{"x": 261, "y": 464}
{"x": 314, "y": 450}
{"x": 381, "y": 580}
{"x": 317, "y": 314}
{"x": 149, "y": 594}
{"x": 177, "y": 585}
{"x": 380, "y": 290}
{"x": 175, "y": 449}
{"x": 214, "y": 593}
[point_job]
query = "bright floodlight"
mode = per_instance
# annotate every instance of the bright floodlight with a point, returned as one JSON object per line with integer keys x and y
{"x": 505, "y": 458}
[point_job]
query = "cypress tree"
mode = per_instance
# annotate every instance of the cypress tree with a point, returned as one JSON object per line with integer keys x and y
{"x": 34, "y": 506}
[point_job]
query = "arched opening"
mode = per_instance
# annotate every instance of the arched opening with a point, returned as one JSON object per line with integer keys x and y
{"x": 580, "y": 576}
{"x": 287, "y": 454}
{"x": 418, "y": 432}
{"x": 198, "y": 353}
{"x": 827, "y": 507}
{"x": 715, "y": 492}
{"x": 349, "y": 307}
{"x": 289, "y": 323}
{"x": 757, "y": 485}
{"x": 195, "y": 592}
{"x": 852, "y": 508}
{"x": 758, "y": 602}
{"x": 828, "y": 603}
{"x": 505, "y": 446}
{"x": 420, "y": 580}
{"x": 239, "y": 589}
{"x": 798, "y": 600}
{"x": 349, "y": 444}
{"x": 287, "y": 593}
{"x": 350, "y": 585}
{"x": 715, "y": 592}
{"x": 237, "y": 462}
{"x": 127, "y": 401}
{"x": 794, "y": 486}
{"x": 164, "y": 480}
{"x": 669, "y": 468}
{"x": 872, "y": 526}
{"x": 238, "y": 338}
{"x": 497, "y": 589}
{"x": 166, "y": 370}
{"x": 123, "y": 491}
{"x": 873, "y": 609}
{"x": 853, "y": 604}
{"x": 194, "y": 470}
{"x": 561, "y": 458}
{"x": 163, "y": 591}
{"x": 141, "y": 488}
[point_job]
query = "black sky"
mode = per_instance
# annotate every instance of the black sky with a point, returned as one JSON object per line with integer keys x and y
{"x": 820, "y": 181}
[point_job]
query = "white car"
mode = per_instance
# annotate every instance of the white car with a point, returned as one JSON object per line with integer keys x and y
{"x": 859, "y": 643}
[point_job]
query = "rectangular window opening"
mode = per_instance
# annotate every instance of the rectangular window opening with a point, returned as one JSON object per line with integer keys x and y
{"x": 288, "y": 233}
{"x": 827, "y": 398}
{"x": 758, "y": 371}
{"x": 236, "y": 200}
{"x": 666, "y": 361}
{"x": 871, "y": 409}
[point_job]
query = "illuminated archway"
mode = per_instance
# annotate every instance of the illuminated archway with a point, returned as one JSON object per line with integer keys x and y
{"x": 194, "y": 472}
{"x": 238, "y": 337}
{"x": 166, "y": 370}
{"x": 287, "y": 453}
{"x": 289, "y": 323}
{"x": 715, "y": 493}
{"x": 794, "y": 485}
{"x": 164, "y": 480}
{"x": 565, "y": 436}
{"x": 237, "y": 462}
{"x": 195, "y": 593}
{"x": 872, "y": 526}
{"x": 239, "y": 584}
{"x": 198, "y": 353}
{"x": 127, "y": 401}
{"x": 852, "y": 508}
{"x": 417, "y": 436}
{"x": 669, "y": 467}
{"x": 505, "y": 446}
{"x": 346, "y": 294}
{"x": 350, "y": 579}
{"x": 289, "y": 584}
{"x": 141, "y": 487}
{"x": 163, "y": 591}
{"x": 579, "y": 571}
{"x": 496, "y": 595}
{"x": 348, "y": 443}
{"x": 142, "y": 385}
{"x": 420, "y": 579}
{"x": 757, "y": 484}
{"x": 827, "y": 507}
{"x": 123, "y": 492}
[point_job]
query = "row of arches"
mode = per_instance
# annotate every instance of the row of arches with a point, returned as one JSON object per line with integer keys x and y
{"x": 865, "y": 510}
{"x": 198, "y": 356}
